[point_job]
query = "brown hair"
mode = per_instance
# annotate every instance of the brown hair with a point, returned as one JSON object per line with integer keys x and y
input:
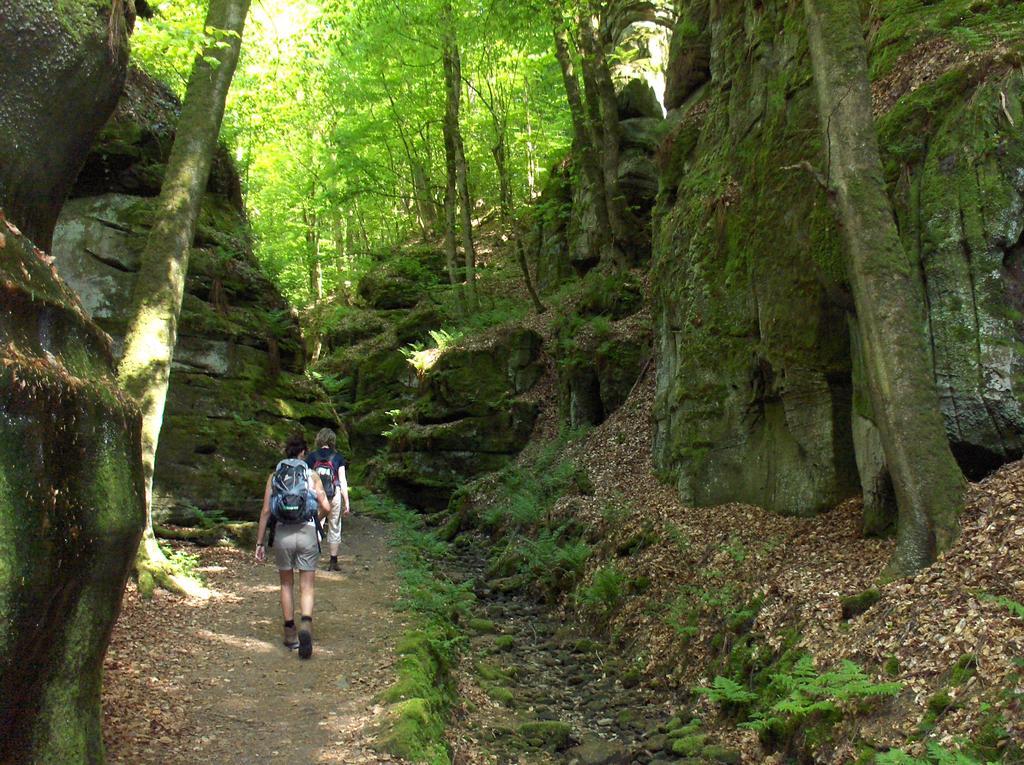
{"x": 295, "y": 445}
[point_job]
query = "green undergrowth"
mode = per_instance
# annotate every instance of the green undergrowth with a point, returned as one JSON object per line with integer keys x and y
{"x": 422, "y": 696}
{"x": 791, "y": 704}
{"x": 532, "y": 548}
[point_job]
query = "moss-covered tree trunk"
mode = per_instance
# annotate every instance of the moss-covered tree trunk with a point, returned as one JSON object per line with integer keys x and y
{"x": 71, "y": 497}
{"x": 145, "y": 368}
{"x": 887, "y": 295}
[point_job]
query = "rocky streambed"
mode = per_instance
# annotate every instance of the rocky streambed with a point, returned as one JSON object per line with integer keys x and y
{"x": 535, "y": 689}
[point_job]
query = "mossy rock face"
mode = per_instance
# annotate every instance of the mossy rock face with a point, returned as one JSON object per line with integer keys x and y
{"x": 427, "y": 480}
{"x": 61, "y": 73}
{"x": 67, "y": 535}
{"x": 389, "y": 290}
{"x": 620, "y": 362}
{"x": 237, "y": 388}
{"x": 504, "y": 432}
{"x": 400, "y": 279}
{"x": 755, "y": 387}
{"x": 610, "y": 293}
{"x": 475, "y": 381}
{"x": 415, "y": 326}
{"x": 466, "y": 420}
{"x": 547, "y": 242}
{"x": 637, "y": 99}
{"x": 353, "y": 328}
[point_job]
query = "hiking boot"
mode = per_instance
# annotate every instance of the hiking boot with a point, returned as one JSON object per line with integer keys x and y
{"x": 306, "y": 638}
{"x": 291, "y": 637}
{"x": 333, "y": 565}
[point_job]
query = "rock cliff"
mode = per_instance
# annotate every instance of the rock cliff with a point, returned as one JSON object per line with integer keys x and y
{"x": 759, "y": 394}
{"x": 237, "y": 385}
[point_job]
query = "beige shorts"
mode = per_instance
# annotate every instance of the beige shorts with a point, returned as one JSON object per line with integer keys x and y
{"x": 295, "y": 547}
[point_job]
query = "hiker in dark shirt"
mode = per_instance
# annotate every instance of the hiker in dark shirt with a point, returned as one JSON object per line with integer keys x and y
{"x": 330, "y": 464}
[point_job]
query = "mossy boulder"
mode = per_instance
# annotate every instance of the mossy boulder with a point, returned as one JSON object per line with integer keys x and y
{"x": 67, "y": 535}
{"x": 62, "y": 69}
{"x": 506, "y": 431}
{"x": 401, "y": 279}
{"x": 552, "y": 735}
{"x": 610, "y": 293}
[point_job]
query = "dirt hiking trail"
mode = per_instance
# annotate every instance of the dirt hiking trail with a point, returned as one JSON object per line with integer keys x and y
{"x": 191, "y": 681}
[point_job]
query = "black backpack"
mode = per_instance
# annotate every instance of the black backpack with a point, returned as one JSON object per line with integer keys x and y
{"x": 289, "y": 492}
{"x": 328, "y": 474}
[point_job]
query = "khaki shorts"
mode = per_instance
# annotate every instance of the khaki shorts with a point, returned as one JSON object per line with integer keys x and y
{"x": 295, "y": 547}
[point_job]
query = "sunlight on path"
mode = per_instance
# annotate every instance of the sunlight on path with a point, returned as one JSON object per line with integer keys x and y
{"x": 216, "y": 685}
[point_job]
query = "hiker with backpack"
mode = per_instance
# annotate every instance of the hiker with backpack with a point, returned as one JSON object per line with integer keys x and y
{"x": 330, "y": 464}
{"x": 293, "y": 505}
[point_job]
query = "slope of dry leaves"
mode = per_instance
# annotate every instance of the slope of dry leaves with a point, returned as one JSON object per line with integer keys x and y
{"x": 800, "y": 568}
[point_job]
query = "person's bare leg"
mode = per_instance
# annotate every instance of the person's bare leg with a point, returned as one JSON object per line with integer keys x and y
{"x": 287, "y": 598}
{"x": 306, "y": 582}
{"x": 291, "y": 635}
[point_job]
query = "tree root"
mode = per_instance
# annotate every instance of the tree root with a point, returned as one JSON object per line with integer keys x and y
{"x": 153, "y": 570}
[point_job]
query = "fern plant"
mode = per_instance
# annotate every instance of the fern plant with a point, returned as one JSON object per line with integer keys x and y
{"x": 606, "y": 591}
{"x": 937, "y": 755}
{"x": 795, "y": 698}
{"x": 1015, "y": 608}
{"x": 724, "y": 691}
{"x": 803, "y": 692}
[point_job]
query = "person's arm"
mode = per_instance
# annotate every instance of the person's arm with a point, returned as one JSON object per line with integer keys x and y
{"x": 343, "y": 488}
{"x": 261, "y": 550}
{"x": 323, "y": 504}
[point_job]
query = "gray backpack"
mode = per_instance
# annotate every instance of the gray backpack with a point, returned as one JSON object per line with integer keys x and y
{"x": 289, "y": 493}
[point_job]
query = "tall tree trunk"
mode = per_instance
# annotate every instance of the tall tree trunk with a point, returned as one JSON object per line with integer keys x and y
{"x": 424, "y": 202}
{"x": 343, "y": 235}
{"x": 450, "y": 248}
{"x": 531, "y": 149}
{"x": 603, "y": 113}
{"x": 313, "y": 265}
{"x": 585, "y": 148}
{"x": 466, "y": 208}
{"x": 145, "y": 369}
{"x": 499, "y": 152}
{"x": 887, "y": 294}
{"x": 316, "y": 273}
{"x": 524, "y": 265}
{"x": 455, "y": 160}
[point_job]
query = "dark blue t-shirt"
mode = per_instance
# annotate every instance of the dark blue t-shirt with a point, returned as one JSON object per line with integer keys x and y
{"x": 326, "y": 454}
